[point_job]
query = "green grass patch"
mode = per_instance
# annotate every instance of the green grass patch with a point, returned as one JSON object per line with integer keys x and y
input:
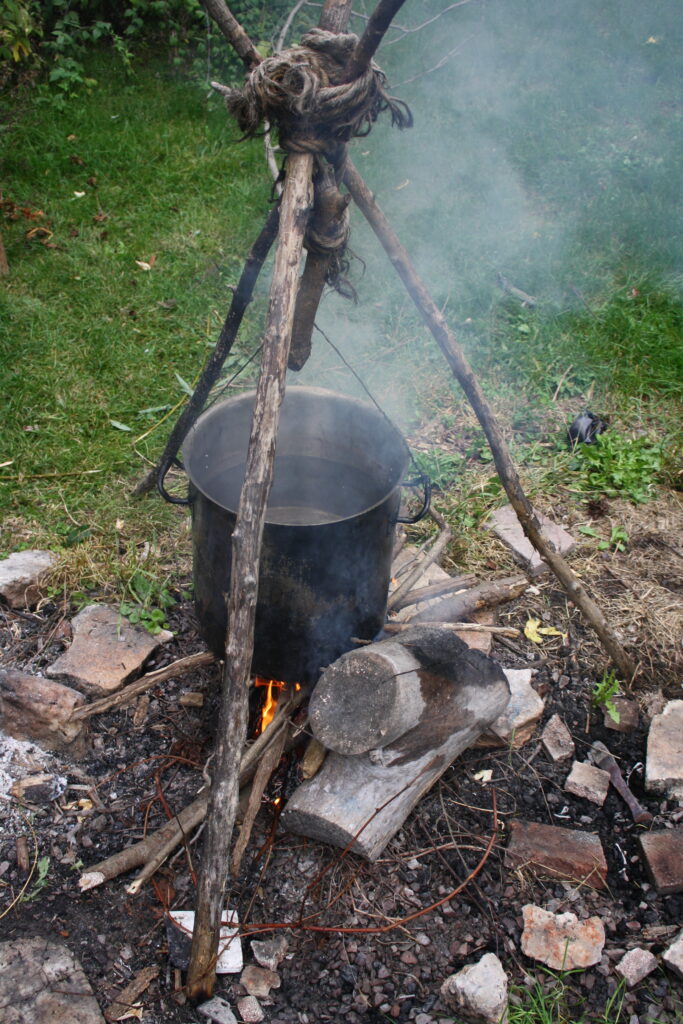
{"x": 127, "y": 216}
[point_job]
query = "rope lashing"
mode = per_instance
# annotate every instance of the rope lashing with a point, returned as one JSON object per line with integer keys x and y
{"x": 301, "y": 93}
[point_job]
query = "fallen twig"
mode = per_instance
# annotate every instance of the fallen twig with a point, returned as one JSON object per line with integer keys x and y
{"x": 146, "y": 682}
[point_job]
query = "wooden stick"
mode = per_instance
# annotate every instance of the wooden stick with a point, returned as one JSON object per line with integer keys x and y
{"x": 267, "y": 766}
{"x": 146, "y": 682}
{"x": 461, "y": 369}
{"x": 457, "y": 627}
{"x": 434, "y": 552}
{"x": 483, "y": 595}
{"x": 435, "y": 590}
{"x": 246, "y": 544}
{"x": 378, "y": 23}
{"x": 214, "y": 364}
{"x": 233, "y": 32}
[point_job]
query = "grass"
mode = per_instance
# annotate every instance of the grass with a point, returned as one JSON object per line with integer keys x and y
{"x": 150, "y": 205}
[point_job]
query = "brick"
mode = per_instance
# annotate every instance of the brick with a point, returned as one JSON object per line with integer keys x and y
{"x": 517, "y": 723}
{"x": 508, "y": 529}
{"x": 106, "y": 650}
{"x": 663, "y": 853}
{"x": 664, "y": 764}
{"x": 21, "y": 577}
{"x": 33, "y": 708}
{"x": 560, "y": 940}
{"x": 636, "y": 965}
{"x": 589, "y": 782}
{"x": 557, "y": 853}
{"x": 673, "y": 957}
{"x": 556, "y": 739}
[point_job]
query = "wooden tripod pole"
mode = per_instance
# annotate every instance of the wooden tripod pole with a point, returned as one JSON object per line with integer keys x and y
{"x": 246, "y": 547}
{"x": 457, "y": 361}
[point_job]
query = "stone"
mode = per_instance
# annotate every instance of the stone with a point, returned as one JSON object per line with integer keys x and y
{"x": 554, "y": 852}
{"x": 479, "y": 992}
{"x": 517, "y": 723}
{"x": 106, "y": 650}
{"x": 664, "y": 763}
{"x": 250, "y": 1010}
{"x": 508, "y": 529}
{"x": 587, "y": 781}
{"x": 21, "y": 577}
{"x": 33, "y": 708}
{"x": 636, "y": 965}
{"x": 270, "y": 953}
{"x": 556, "y": 739}
{"x": 218, "y": 1011}
{"x": 629, "y": 715}
{"x": 258, "y": 981}
{"x": 42, "y": 982}
{"x": 561, "y": 941}
{"x": 663, "y": 853}
{"x": 673, "y": 957}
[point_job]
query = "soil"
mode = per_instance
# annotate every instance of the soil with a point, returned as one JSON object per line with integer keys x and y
{"x": 145, "y": 763}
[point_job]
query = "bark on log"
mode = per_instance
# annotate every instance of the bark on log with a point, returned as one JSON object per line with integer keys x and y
{"x": 246, "y": 544}
{"x": 214, "y": 364}
{"x": 361, "y": 801}
{"x": 484, "y": 595}
{"x": 461, "y": 369}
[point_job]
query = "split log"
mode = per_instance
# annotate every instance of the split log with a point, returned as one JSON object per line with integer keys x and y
{"x": 483, "y": 595}
{"x": 246, "y": 545}
{"x": 436, "y": 322}
{"x": 360, "y": 801}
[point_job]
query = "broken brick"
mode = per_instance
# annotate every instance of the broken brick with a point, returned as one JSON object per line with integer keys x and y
{"x": 663, "y": 853}
{"x": 557, "y": 852}
{"x": 589, "y": 782}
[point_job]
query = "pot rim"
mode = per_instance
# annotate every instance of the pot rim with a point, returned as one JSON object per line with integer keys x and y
{"x": 247, "y": 398}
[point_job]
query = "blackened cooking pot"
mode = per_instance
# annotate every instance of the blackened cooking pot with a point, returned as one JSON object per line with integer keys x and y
{"x": 328, "y": 536}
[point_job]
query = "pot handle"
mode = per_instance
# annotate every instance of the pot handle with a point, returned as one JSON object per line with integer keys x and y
{"x": 161, "y": 476}
{"x": 420, "y": 480}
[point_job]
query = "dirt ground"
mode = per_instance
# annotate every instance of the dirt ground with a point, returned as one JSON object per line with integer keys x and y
{"x": 145, "y": 763}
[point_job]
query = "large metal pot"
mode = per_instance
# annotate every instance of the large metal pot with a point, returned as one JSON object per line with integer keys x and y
{"x": 327, "y": 543}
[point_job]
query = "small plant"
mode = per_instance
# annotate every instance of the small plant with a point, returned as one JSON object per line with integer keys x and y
{"x": 617, "y": 541}
{"x": 620, "y": 466}
{"x": 149, "y": 601}
{"x": 441, "y": 467}
{"x": 42, "y": 868}
{"x": 603, "y": 693}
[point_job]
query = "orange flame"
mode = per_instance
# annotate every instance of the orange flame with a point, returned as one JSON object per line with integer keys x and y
{"x": 270, "y": 702}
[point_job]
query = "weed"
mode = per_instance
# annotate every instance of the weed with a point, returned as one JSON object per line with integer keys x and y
{"x": 148, "y": 602}
{"x": 41, "y": 882}
{"x": 442, "y": 468}
{"x": 603, "y": 693}
{"x": 620, "y": 466}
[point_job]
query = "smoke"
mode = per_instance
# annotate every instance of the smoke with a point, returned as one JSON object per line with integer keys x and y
{"x": 548, "y": 147}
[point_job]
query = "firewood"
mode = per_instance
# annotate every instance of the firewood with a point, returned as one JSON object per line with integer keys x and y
{"x": 485, "y": 595}
{"x": 435, "y": 590}
{"x": 427, "y": 558}
{"x": 361, "y": 800}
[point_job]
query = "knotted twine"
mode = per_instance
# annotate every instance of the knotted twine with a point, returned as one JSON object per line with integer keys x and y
{"x": 301, "y": 93}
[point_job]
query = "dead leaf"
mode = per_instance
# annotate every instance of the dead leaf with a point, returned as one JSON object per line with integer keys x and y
{"x": 535, "y": 632}
{"x": 92, "y": 181}
{"x": 78, "y": 160}
{"x": 38, "y": 232}
{"x": 143, "y": 265}
{"x": 100, "y": 217}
